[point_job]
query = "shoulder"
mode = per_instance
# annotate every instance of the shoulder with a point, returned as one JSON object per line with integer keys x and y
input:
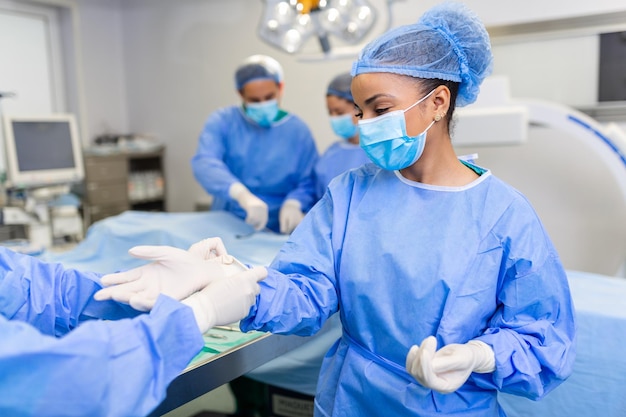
{"x": 225, "y": 114}
{"x": 510, "y": 216}
{"x": 332, "y": 149}
{"x": 502, "y": 193}
{"x": 356, "y": 177}
{"x": 292, "y": 121}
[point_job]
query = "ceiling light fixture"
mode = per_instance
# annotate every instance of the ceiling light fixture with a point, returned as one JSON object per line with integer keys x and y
{"x": 288, "y": 24}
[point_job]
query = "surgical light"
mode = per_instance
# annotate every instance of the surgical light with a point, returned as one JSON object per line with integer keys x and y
{"x": 289, "y": 24}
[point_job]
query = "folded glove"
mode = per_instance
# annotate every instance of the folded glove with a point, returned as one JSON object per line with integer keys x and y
{"x": 208, "y": 248}
{"x": 173, "y": 272}
{"x": 226, "y": 300}
{"x": 255, "y": 208}
{"x": 290, "y": 216}
{"x": 446, "y": 370}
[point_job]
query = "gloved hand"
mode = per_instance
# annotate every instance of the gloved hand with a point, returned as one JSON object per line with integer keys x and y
{"x": 173, "y": 272}
{"x": 213, "y": 248}
{"x": 226, "y": 300}
{"x": 208, "y": 248}
{"x": 446, "y": 370}
{"x": 290, "y": 216}
{"x": 256, "y": 209}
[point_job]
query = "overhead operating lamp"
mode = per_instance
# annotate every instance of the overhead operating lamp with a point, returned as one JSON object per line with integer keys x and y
{"x": 288, "y": 24}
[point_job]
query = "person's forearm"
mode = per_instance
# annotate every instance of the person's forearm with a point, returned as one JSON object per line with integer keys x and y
{"x": 102, "y": 368}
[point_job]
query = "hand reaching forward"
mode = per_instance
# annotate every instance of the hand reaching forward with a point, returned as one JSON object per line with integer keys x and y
{"x": 174, "y": 272}
{"x": 226, "y": 300}
{"x": 209, "y": 248}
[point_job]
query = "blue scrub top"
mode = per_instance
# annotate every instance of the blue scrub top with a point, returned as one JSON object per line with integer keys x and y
{"x": 402, "y": 261}
{"x": 275, "y": 163}
{"x": 338, "y": 158}
{"x": 56, "y": 360}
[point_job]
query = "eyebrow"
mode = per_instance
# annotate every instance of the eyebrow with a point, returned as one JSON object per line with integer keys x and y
{"x": 376, "y": 96}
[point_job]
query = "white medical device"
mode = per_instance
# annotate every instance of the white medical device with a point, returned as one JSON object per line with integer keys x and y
{"x": 42, "y": 150}
{"x": 570, "y": 167}
{"x": 44, "y": 157}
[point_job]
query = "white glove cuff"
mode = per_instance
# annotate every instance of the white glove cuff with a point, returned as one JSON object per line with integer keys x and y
{"x": 292, "y": 202}
{"x": 237, "y": 190}
{"x": 485, "y": 357}
{"x": 203, "y": 312}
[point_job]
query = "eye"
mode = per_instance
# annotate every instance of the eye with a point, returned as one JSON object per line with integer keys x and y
{"x": 358, "y": 113}
{"x": 382, "y": 111}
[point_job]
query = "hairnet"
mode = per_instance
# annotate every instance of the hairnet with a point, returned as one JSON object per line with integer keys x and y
{"x": 449, "y": 42}
{"x": 258, "y": 67}
{"x": 340, "y": 87}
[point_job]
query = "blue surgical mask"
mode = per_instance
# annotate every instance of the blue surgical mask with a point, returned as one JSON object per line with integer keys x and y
{"x": 343, "y": 126}
{"x": 385, "y": 141}
{"x": 264, "y": 112}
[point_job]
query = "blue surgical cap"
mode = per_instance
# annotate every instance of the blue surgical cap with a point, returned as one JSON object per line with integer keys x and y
{"x": 449, "y": 42}
{"x": 258, "y": 67}
{"x": 340, "y": 87}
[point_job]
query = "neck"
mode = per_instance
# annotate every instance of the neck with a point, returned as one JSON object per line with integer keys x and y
{"x": 440, "y": 166}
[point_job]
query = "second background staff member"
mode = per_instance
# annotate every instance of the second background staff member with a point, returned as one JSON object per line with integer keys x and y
{"x": 256, "y": 159}
{"x": 345, "y": 154}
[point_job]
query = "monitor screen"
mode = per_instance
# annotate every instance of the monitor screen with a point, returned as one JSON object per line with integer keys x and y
{"x": 42, "y": 150}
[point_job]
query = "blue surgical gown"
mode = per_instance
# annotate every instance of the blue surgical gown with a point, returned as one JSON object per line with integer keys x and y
{"x": 402, "y": 261}
{"x": 56, "y": 361}
{"x": 338, "y": 158}
{"x": 274, "y": 163}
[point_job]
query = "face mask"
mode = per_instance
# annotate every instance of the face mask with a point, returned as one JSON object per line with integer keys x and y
{"x": 343, "y": 126}
{"x": 386, "y": 142}
{"x": 264, "y": 112}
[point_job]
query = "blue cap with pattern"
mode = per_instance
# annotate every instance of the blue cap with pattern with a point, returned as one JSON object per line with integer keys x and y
{"x": 449, "y": 42}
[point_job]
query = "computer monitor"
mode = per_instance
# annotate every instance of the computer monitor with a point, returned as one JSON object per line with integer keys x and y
{"x": 42, "y": 150}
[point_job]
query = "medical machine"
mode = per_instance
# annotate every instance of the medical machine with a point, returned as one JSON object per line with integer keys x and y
{"x": 42, "y": 150}
{"x": 570, "y": 167}
{"x": 44, "y": 158}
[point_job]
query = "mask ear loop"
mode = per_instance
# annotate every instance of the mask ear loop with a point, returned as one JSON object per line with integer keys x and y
{"x": 429, "y": 126}
{"x": 419, "y": 101}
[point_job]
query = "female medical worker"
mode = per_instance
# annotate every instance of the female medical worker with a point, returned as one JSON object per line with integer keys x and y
{"x": 256, "y": 160}
{"x": 346, "y": 154}
{"x": 55, "y": 360}
{"x": 422, "y": 250}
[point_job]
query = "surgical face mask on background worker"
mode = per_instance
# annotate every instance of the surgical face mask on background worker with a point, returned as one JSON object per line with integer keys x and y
{"x": 340, "y": 107}
{"x": 261, "y": 100}
{"x": 343, "y": 126}
{"x": 259, "y": 81}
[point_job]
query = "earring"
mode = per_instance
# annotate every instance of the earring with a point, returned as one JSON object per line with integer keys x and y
{"x": 437, "y": 117}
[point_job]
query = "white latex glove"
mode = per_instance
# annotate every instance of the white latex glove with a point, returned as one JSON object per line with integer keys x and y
{"x": 256, "y": 209}
{"x": 446, "y": 370}
{"x": 290, "y": 216}
{"x": 226, "y": 300}
{"x": 208, "y": 248}
{"x": 173, "y": 272}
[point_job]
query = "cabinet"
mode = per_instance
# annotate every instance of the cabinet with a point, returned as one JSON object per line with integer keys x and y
{"x": 116, "y": 181}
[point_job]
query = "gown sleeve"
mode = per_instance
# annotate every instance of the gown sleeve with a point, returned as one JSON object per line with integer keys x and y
{"x": 533, "y": 330}
{"x": 305, "y": 190}
{"x": 55, "y": 360}
{"x": 208, "y": 164}
{"x": 299, "y": 293}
